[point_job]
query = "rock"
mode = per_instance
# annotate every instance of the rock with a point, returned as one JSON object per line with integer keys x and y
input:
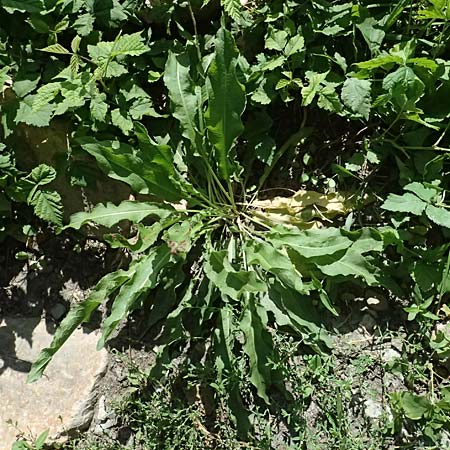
{"x": 58, "y": 311}
{"x": 373, "y": 409}
{"x": 64, "y": 399}
{"x": 389, "y": 355}
{"x": 377, "y": 304}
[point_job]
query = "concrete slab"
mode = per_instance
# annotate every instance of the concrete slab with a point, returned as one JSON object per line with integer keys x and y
{"x": 64, "y": 399}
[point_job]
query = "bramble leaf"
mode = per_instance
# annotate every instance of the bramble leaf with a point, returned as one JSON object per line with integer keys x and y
{"x": 356, "y": 96}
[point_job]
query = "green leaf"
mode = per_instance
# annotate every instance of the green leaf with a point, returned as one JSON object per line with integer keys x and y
{"x": 141, "y": 170}
{"x": 404, "y": 86}
{"x": 57, "y": 49}
{"x": 315, "y": 85}
{"x": 99, "y": 107}
{"x": 78, "y": 314}
{"x": 43, "y": 174}
{"x": 145, "y": 237}
{"x": 226, "y": 102}
{"x": 40, "y": 441}
{"x": 372, "y": 33}
{"x": 44, "y": 95}
{"x": 145, "y": 278}
{"x": 258, "y": 347}
{"x": 350, "y": 265}
{"x": 380, "y": 61}
{"x": 31, "y": 6}
{"x": 311, "y": 243}
{"x": 407, "y": 203}
{"x": 356, "y": 96}
{"x": 27, "y": 115}
{"x": 415, "y": 406}
{"x": 110, "y": 214}
{"x": 276, "y": 262}
{"x": 425, "y": 193}
{"x": 121, "y": 120}
{"x": 439, "y": 216}
{"x": 233, "y": 8}
{"x": 229, "y": 281}
{"x": 295, "y": 45}
{"x": 182, "y": 94}
{"x": 84, "y": 24}
{"x": 47, "y": 205}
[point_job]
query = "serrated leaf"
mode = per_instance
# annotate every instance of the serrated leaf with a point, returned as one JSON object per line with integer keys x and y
{"x": 380, "y": 61}
{"x": 84, "y": 24}
{"x": 75, "y": 44}
{"x": 110, "y": 214}
{"x": 404, "y": 86}
{"x": 120, "y": 119}
{"x": 47, "y": 205}
{"x": 233, "y": 8}
{"x": 45, "y": 95}
{"x": 315, "y": 81}
{"x": 40, "y": 118}
{"x": 407, "y": 203}
{"x": 145, "y": 237}
{"x": 129, "y": 45}
{"x": 74, "y": 64}
{"x": 145, "y": 278}
{"x": 43, "y": 174}
{"x": 295, "y": 45}
{"x": 226, "y": 102}
{"x": 99, "y": 107}
{"x": 439, "y": 216}
{"x": 356, "y": 96}
{"x": 57, "y": 49}
{"x": 229, "y": 281}
{"x": 425, "y": 193}
{"x": 78, "y": 314}
{"x": 415, "y": 406}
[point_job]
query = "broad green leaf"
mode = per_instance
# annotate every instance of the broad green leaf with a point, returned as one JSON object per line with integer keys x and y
{"x": 182, "y": 94}
{"x": 78, "y": 314}
{"x": 425, "y": 193}
{"x": 407, "y": 203}
{"x": 47, "y": 205}
{"x": 329, "y": 99}
{"x": 229, "y": 281}
{"x": 258, "y": 346}
{"x": 276, "y": 40}
{"x": 129, "y": 45}
{"x": 356, "y": 96}
{"x": 296, "y": 311}
{"x": 295, "y": 45}
{"x": 276, "y": 262}
{"x": 40, "y": 441}
{"x": 45, "y": 95}
{"x": 145, "y": 278}
{"x": 30, "y": 6}
{"x": 110, "y": 214}
{"x": 142, "y": 170}
{"x": 84, "y": 24}
{"x": 311, "y": 243}
{"x": 404, "y": 86}
{"x": 315, "y": 81}
{"x": 352, "y": 264}
{"x": 226, "y": 102}
{"x": 415, "y": 406}
{"x": 439, "y": 216}
{"x": 380, "y": 61}
{"x": 372, "y": 32}
{"x": 27, "y": 115}
{"x": 120, "y": 119}
{"x": 99, "y": 107}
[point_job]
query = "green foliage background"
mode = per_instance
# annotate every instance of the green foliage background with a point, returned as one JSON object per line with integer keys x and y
{"x": 216, "y": 106}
